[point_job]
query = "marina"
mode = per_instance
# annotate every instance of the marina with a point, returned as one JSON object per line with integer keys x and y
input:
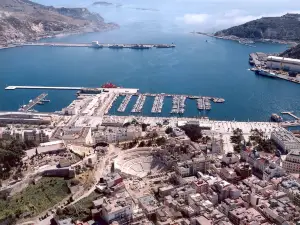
{"x": 178, "y": 104}
{"x": 124, "y": 103}
{"x": 38, "y": 100}
{"x": 158, "y": 104}
{"x": 137, "y": 108}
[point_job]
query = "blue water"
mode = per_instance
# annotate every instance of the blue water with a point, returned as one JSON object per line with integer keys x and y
{"x": 214, "y": 68}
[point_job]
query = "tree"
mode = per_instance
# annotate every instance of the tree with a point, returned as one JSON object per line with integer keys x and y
{"x": 36, "y": 152}
{"x": 144, "y": 126}
{"x": 192, "y": 131}
{"x": 169, "y": 130}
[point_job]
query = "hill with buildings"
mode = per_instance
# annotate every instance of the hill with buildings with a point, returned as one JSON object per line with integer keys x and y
{"x": 283, "y": 28}
{"x": 23, "y": 20}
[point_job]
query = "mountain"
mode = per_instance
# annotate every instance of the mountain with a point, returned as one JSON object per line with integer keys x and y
{"x": 285, "y": 28}
{"x": 293, "y": 52}
{"x": 23, "y": 20}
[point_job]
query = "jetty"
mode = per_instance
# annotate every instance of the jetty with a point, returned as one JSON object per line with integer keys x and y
{"x": 291, "y": 114}
{"x": 32, "y": 103}
{"x": 124, "y": 103}
{"x": 158, "y": 104}
{"x": 42, "y": 87}
{"x": 96, "y": 44}
{"x": 139, "y": 104}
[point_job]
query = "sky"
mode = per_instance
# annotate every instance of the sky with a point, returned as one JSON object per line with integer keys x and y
{"x": 199, "y": 15}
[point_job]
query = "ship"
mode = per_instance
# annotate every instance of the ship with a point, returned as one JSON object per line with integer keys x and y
{"x": 140, "y": 47}
{"x": 266, "y": 73}
{"x": 165, "y": 46}
{"x": 276, "y": 118}
{"x": 116, "y": 46}
{"x": 109, "y": 85}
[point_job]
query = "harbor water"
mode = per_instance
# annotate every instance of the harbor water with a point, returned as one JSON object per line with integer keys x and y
{"x": 199, "y": 65}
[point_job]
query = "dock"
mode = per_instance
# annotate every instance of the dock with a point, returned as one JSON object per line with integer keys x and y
{"x": 98, "y": 45}
{"x": 124, "y": 103}
{"x": 32, "y": 103}
{"x": 42, "y": 87}
{"x": 139, "y": 104}
{"x": 158, "y": 104}
{"x": 291, "y": 114}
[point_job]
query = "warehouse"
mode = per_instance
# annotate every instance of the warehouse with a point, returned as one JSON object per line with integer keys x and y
{"x": 286, "y": 64}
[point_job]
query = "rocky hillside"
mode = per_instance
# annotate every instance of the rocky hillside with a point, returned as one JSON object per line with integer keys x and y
{"x": 293, "y": 52}
{"x": 286, "y": 28}
{"x": 23, "y": 20}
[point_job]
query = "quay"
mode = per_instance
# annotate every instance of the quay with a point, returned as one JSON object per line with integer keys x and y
{"x": 42, "y": 87}
{"x": 291, "y": 114}
{"x": 111, "y": 99}
{"x": 124, "y": 103}
{"x": 158, "y": 104}
{"x": 96, "y": 44}
{"x": 32, "y": 103}
{"x": 139, "y": 104}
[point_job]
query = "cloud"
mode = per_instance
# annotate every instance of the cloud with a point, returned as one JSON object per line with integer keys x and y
{"x": 233, "y": 17}
{"x": 194, "y": 18}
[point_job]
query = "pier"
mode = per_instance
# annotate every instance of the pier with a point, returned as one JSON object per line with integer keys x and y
{"x": 291, "y": 114}
{"x": 139, "y": 104}
{"x": 178, "y": 104}
{"x": 124, "y": 103}
{"x": 158, "y": 104}
{"x": 42, "y": 87}
{"x": 97, "y": 45}
{"x": 32, "y": 103}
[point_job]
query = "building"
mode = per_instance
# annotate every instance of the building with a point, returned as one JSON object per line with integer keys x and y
{"x": 24, "y": 118}
{"x": 285, "y": 140}
{"x": 292, "y": 161}
{"x": 118, "y": 208}
{"x": 230, "y": 158}
{"x": 149, "y": 204}
{"x": 22, "y": 134}
{"x": 73, "y": 135}
{"x": 200, "y": 185}
{"x": 116, "y": 134}
{"x": 245, "y": 216}
{"x": 192, "y": 166}
{"x": 281, "y": 63}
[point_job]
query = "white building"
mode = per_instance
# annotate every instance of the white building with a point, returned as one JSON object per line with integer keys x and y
{"x": 116, "y": 134}
{"x": 281, "y": 63}
{"x": 292, "y": 162}
{"x": 117, "y": 209}
{"x": 285, "y": 139}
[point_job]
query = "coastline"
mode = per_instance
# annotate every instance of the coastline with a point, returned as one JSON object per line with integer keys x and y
{"x": 64, "y": 34}
{"x": 249, "y": 40}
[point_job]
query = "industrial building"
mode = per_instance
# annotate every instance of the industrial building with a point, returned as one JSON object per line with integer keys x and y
{"x": 281, "y": 63}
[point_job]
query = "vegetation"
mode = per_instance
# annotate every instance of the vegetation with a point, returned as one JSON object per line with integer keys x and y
{"x": 285, "y": 27}
{"x": 35, "y": 198}
{"x": 237, "y": 139}
{"x": 11, "y": 153}
{"x": 262, "y": 144}
{"x": 192, "y": 131}
{"x": 161, "y": 141}
{"x": 169, "y": 130}
{"x": 80, "y": 210}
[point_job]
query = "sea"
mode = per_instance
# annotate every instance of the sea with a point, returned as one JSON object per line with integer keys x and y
{"x": 199, "y": 65}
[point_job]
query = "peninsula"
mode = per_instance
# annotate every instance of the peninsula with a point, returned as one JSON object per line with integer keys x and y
{"x": 23, "y": 21}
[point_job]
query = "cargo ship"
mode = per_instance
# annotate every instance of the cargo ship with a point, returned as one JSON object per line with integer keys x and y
{"x": 116, "y": 46}
{"x": 266, "y": 73}
{"x": 140, "y": 47}
{"x": 93, "y": 91}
